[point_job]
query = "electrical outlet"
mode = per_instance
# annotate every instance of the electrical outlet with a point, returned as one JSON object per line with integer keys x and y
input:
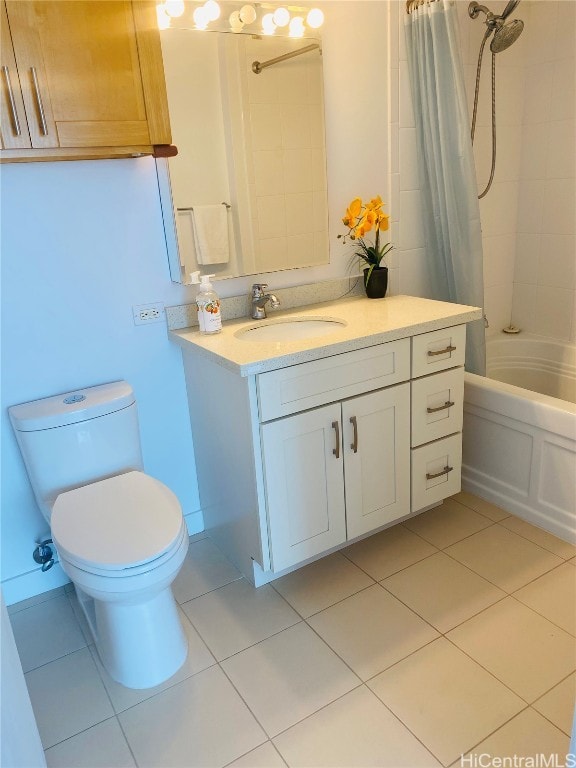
{"x": 148, "y": 313}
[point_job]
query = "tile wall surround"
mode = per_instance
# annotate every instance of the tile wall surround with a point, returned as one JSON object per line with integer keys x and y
{"x": 528, "y": 217}
{"x": 234, "y": 307}
{"x": 544, "y": 293}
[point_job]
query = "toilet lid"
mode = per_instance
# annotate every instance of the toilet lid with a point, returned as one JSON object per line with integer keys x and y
{"x": 117, "y": 523}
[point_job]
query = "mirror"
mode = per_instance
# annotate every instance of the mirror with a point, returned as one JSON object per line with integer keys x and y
{"x": 247, "y": 192}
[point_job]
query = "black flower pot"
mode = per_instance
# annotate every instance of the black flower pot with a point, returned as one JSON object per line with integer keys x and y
{"x": 377, "y": 284}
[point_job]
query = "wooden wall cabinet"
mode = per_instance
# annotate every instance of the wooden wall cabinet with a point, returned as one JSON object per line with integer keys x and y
{"x": 81, "y": 79}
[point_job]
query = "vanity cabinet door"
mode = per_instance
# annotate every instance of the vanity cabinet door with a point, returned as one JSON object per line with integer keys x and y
{"x": 91, "y": 75}
{"x": 13, "y": 125}
{"x": 304, "y": 479}
{"x": 376, "y": 430}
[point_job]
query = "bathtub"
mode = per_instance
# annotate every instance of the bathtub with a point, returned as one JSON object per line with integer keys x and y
{"x": 519, "y": 436}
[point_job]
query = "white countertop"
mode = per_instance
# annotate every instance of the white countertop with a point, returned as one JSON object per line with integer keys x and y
{"x": 367, "y": 322}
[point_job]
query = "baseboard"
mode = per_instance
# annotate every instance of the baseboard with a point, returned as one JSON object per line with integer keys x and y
{"x": 33, "y": 583}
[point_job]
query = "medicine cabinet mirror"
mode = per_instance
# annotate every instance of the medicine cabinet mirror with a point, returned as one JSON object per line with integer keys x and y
{"x": 251, "y": 143}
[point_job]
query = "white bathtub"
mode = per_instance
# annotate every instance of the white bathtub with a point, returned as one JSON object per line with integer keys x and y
{"x": 519, "y": 438}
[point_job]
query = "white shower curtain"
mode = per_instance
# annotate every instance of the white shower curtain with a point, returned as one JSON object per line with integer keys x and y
{"x": 446, "y": 164}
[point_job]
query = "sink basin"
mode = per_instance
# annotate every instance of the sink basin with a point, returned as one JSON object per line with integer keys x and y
{"x": 292, "y": 329}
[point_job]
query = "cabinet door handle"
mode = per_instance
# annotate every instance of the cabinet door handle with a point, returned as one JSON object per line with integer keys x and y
{"x": 447, "y": 404}
{"x": 39, "y": 102}
{"x": 336, "y": 450}
{"x": 354, "y": 423}
{"x": 449, "y": 348}
{"x": 13, "y": 113}
{"x": 439, "y": 474}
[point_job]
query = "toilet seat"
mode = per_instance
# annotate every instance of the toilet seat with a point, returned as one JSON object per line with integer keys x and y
{"x": 121, "y": 526}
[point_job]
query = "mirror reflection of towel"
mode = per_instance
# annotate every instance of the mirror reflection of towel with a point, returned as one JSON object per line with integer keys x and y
{"x": 210, "y": 226}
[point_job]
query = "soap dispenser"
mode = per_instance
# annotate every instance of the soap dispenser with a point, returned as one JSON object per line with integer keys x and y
{"x": 208, "y": 303}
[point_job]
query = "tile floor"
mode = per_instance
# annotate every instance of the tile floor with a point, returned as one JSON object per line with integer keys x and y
{"x": 449, "y": 634}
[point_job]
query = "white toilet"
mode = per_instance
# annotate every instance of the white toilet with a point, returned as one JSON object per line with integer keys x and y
{"x": 119, "y": 533}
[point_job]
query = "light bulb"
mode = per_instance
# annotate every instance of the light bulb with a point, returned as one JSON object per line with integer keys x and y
{"x": 162, "y": 16}
{"x": 296, "y": 28}
{"x": 281, "y": 17}
{"x": 212, "y": 10}
{"x": 174, "y": 8}
{"x": 201, "y": 17}
{"x": 247, "y": 14}
{"x": 235, "y": 22}
{"x": 268, "y": 26}
{"x": 315, "y": 18}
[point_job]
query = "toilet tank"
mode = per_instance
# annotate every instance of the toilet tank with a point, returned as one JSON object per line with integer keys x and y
{"x": 76, "y": 438}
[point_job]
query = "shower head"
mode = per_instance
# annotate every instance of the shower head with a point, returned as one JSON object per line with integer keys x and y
{"x": 509, "y": 8}
{"x": 492, "y": 19}
{"x": 505, "y": 35}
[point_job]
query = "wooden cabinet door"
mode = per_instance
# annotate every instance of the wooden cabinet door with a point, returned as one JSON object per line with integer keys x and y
{"x": 377, "y": 458}
{"x": 13, "y": 125}
{"x": 304, "y": 485}
{"x": 84, "y": 77}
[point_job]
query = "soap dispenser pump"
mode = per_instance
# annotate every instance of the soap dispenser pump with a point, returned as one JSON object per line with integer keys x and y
{"x": 208, "y": 304}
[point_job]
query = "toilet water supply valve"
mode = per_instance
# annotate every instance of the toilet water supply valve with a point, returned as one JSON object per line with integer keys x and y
{"x": 43, "y": 554}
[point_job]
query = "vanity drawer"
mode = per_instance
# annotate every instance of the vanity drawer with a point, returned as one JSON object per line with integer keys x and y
{"x": 438, "y": 350}
{"x": 437, "y": 406}
{"x": 308, "y": 385}
{"x": 436, "y": 471}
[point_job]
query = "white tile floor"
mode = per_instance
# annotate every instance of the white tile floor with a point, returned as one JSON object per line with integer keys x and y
{"x": 451, "y": 633}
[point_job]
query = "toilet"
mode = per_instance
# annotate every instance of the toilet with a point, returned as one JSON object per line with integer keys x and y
{"x": 119, "y": 533}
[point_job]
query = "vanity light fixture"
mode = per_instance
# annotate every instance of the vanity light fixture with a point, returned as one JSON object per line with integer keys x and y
{"x": 296, "y": 26}
{"x": 268, "y": 15}
{"x": 268, "y": 25}
{"x": 281, "y": 17}
{"x": 315, "y": 18}
{"x": 174, "y": 8}
{"x": 212, "y": 10}
{"x": 248, "y": 14}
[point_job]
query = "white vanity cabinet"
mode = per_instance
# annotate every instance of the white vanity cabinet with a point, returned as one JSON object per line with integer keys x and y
{"x": 437, "y": 411}
{"x": 300, "y": 452}
{"x": 335, "y": 473}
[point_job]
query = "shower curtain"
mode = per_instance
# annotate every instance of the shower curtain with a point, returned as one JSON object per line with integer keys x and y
{"x": 446, "y": 164}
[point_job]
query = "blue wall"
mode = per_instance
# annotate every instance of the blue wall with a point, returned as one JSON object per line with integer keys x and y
{"x": 81, "y": 243}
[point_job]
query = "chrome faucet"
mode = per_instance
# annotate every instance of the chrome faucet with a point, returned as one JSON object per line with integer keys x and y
{"x": 259, "y": 300}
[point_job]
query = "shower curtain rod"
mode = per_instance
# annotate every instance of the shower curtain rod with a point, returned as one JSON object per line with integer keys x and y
{"x": 411, "y": 5}
{"x": 258, "y": 66}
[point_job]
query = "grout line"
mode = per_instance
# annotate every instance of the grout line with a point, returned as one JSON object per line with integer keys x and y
{"x": 126, "y": 740}
{"x": 337, "y": 602}
{"x": 543, "y": 616}
{"x": 245, "y": 754}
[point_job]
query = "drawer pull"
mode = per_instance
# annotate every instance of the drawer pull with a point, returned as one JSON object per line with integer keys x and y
{"x": 354, "y": 423}
{"x": 447, "y": 404}
{"x": 336, "y": 450}
{"x": 445, "y": 471}
{"x": 39, "y": 102}
{"x": 13, "y": 114}
{"x": 444, "y": 351}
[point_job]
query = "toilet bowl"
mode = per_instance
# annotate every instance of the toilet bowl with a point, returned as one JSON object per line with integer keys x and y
{"x": 120, "y": 534}
{"x": 122, "y": 541}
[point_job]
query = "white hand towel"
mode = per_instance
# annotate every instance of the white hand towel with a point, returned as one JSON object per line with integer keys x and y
{"x": 210, "y": 225}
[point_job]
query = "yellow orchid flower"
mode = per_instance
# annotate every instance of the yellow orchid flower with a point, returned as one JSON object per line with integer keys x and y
{"x": 375, "y": 203}
{"x": 352, "y": 213}
{"x": 384, "y": 222}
